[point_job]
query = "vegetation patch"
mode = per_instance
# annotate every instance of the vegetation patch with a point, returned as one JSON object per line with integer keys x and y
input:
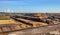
{"x": 3, "y": 17}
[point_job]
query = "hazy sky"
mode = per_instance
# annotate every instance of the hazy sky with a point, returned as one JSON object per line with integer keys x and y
{"x": 30, "y": 6}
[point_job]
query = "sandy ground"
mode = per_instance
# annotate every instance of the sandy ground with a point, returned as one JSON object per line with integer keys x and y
{"x": 8, "y": 22}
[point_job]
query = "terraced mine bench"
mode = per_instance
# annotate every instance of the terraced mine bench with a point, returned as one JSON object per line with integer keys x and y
{"x": 34, "y": 23}
{"x": 9, "y": 27}
{"x": 31, "y": 22}
{"x": 47, "y": 30}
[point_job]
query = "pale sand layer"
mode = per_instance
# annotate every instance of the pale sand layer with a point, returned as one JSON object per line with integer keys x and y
{"x": 8, "y": 21}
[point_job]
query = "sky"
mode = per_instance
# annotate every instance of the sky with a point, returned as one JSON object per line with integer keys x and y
{"x": 30, "y": 6}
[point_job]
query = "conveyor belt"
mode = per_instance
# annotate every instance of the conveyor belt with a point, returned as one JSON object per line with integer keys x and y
{"x": 29, "y": 18}
{"x": 22, "y": 21}
{"x": 33, "y": 22}
{"x": 34, "y": 19}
